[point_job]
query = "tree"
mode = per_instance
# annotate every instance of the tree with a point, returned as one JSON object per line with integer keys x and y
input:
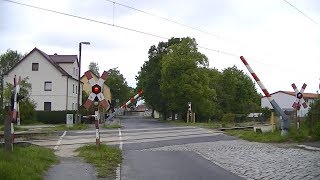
{"x": 183, "y": 79}
{"x": 149, "y": 76}
{"x": 118, "y": 87}
{"x": 27, "y": 105}
{"x": 313, "y": 119}
{"x": 236, "y": 92}
{"x": 94, "y": 67}
{"x": 7, "y": 61}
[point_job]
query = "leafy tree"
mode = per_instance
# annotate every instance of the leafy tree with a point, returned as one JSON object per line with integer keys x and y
{"x": 94, "y": 67}
{"x": 7, "y": 61}
{"x": 183, "y": 79}
{"x": 149, "y": 76}
{"x": 236, "y": 91}
{"x": 118, "y": 86}
{"x": 313, "y": 119}
{"x": 27, "y": 105}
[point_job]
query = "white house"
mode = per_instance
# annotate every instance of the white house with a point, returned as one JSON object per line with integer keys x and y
{"x": 54, "y": 79}
{"x": 285, "y": 100}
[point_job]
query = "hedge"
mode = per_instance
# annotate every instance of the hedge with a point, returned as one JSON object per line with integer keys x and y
{"x": 53, "y": 117}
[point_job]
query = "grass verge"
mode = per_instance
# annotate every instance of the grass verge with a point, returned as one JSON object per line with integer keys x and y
{"x": 273, "y": 137}
{"x": 112, "y": 126}
{"x": 209, "y": 125}
{"x": 104, "y": 157}
{"x": 26, "y": 162}
{"x": 16, "y": 128}
{"x": 63, "y": 127}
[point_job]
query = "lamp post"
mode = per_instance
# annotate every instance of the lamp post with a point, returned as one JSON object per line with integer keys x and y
{"x": 79, "y": 72}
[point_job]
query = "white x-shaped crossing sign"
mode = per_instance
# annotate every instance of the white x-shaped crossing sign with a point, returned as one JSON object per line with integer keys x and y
{"x": 299, "y": 96}
{"x": 96, "y": 90}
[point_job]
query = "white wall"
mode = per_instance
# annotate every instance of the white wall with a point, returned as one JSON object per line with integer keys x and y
{"x": 68, "y": 67}
{"x": 285, "y": 102}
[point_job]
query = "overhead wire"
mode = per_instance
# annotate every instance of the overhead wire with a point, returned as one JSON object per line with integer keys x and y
{"x": 87, "y": 19}
{"x": 301, "y": 12}
{"x": 167, "y": 19}
{"x": 109, "y": 24}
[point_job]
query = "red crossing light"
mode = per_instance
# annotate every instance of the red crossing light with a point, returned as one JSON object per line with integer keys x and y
{"x": 96, "y": 89}
{"x": 299, "y": 95}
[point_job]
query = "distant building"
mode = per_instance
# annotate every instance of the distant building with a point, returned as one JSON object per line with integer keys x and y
{"x": 54, "y": 79}
{"x": 285, "y": 99}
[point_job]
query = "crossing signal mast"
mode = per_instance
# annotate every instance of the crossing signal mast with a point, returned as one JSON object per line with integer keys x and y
{"x": 299, "y": 100}
{"x": 9, "y": 129}
{"x": 95, "y": 97}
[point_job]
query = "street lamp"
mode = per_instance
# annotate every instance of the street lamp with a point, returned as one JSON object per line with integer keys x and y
{"x": 79, "y": 72}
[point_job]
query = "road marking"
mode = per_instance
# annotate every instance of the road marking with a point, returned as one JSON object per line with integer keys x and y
{"x": 120, "y": 147}
{"x": 120, "y": 139}
{"x": 59, "y": 141}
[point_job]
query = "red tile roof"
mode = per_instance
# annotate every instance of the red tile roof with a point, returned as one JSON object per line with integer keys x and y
{"x": 305, "y": 95}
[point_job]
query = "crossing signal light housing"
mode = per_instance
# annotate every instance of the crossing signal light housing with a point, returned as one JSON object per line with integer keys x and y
{"x": 96, "y": 89}
{"x": 299, "y": 95}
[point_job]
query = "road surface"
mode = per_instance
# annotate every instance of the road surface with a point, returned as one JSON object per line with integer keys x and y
{"x": 156, "y": 150}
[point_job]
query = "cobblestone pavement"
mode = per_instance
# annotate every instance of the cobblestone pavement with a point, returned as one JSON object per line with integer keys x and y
{"x": 253, "y": 160}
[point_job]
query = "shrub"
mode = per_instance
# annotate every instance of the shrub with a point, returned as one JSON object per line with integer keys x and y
{"x": 53, "y": 117}
{"x": 228, "y": 118}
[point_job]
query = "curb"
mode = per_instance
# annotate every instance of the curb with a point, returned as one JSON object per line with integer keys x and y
{"x": 309, "y": 147}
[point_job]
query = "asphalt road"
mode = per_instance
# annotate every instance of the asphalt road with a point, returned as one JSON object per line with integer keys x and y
{"x": 139, "y": 163}
{"x": 137, "y": 138}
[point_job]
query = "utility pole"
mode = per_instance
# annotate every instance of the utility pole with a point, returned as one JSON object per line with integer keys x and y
{"x": 8, "y": 139}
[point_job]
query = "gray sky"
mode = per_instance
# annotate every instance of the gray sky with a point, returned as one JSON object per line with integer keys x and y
{"x": 281, "y": 44}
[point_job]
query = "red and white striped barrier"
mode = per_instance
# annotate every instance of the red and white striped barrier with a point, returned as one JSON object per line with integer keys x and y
{"x": 285, "y": 124}
{"x": 132, "y": 99}
{"x": 126, "y": 104}
{"x": 16, "y": 85}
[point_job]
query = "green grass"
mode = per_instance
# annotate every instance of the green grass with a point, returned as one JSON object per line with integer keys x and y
{"x": 273, "y": 137}
{"x": 16, "y": 128}
{"x": 250, "y": 135}
{"x": 209, "y": 125}
{"x": 112, "y": 126}
{"x": 63, "y": 127}
{"x": 26, "y": 162}
{"x": 104, "y": 157}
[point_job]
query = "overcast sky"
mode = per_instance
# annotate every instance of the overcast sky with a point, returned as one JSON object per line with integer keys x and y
{"x": 279, "y": 42}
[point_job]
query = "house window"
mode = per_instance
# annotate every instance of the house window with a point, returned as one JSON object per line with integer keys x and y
{"x": 48, "y": 86}
{"x": 74, "y": 71}
{"x": 72, "y": 88}
{"x": 72, "y": 106}
{"x": 35, "y": 66}
{"x": 47, "y": 106}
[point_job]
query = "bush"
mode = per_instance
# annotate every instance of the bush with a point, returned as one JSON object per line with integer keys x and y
{"x": 228, "y": 118}
{"x": 313, "y": 120}
{"x": 53, "y": 117}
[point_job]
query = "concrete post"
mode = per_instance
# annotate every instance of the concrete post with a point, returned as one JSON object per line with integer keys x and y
{"x": 8, "y": 140}
{"x": 272, "y": 121}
